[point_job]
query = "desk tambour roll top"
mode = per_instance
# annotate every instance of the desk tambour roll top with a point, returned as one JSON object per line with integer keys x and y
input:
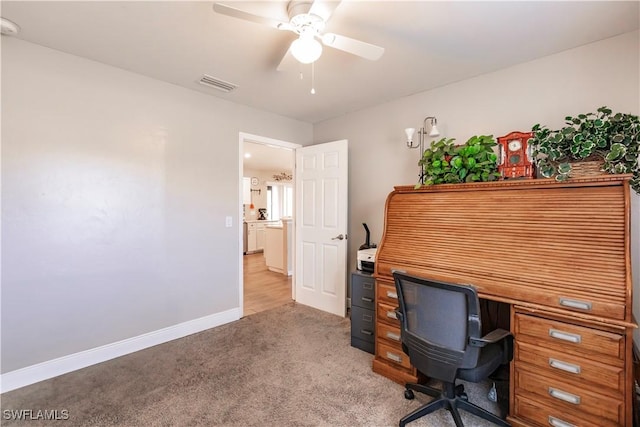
{"x": 536, "y": 244}
{"x": 559, "y": 245}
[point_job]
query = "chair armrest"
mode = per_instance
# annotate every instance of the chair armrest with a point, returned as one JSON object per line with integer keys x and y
{"x": 495, "y": 336}
{"x": 492, "y": 337}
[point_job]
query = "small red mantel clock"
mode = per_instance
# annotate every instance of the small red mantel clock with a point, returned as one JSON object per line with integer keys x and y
{"x": 515, "y": 155}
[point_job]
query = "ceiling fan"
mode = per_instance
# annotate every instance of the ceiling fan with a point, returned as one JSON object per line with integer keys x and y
{"x": 308, "y": 19}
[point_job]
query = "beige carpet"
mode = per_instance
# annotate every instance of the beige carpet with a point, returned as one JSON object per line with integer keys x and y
{"x": 289, "y": 366}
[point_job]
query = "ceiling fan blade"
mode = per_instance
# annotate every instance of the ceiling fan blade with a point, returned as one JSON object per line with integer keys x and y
{"x": 356, "y": 47}
{"x": 241, "y": 14}
{"x": 324, "y": 8}
{"x": 288, "y": 62}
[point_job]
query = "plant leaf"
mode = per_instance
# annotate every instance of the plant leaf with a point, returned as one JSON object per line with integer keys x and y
{"x": 471, "y": 162}
{"x": 564, "y": 168}
{"x": 617, "y": 138}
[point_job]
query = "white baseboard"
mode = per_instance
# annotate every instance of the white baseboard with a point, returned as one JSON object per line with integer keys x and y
{"x": 62, "y": 365}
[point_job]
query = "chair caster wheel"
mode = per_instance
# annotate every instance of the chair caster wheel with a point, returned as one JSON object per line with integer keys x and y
{"x": 408, "y": 394}
{"x": 464, "y": 396}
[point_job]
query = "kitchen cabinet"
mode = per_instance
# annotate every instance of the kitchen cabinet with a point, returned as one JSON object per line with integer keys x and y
{"x": 260, "y": 236}
{"x": 273, "y": 252}
{"x": 251, "y": 238}
{"x": 246, "y": 190}
{"x": 256, "y": 235}
{"x": 277, "y": 249}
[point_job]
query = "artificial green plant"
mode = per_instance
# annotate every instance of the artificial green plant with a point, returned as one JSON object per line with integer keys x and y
{"x": 611, "y": 137}
{"x": 446, "y": 163}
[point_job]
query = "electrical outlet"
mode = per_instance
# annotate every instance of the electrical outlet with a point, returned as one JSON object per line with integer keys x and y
{"x": 228, "y": 222}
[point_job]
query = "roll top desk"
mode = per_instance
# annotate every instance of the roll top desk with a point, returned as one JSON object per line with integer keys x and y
{"x": 558, "y": 253}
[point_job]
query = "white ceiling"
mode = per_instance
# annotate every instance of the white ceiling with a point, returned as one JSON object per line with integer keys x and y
{"x": 268, "y": 158}
{"x": 428, "y": 44}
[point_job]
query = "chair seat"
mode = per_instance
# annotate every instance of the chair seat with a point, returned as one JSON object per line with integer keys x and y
{"x": 489, "y": 360}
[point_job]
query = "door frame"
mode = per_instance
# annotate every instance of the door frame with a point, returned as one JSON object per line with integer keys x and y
{"x": 257, "y": 139}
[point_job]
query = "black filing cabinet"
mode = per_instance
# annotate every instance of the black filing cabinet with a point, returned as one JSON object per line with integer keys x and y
{"x": 363, "y": 325}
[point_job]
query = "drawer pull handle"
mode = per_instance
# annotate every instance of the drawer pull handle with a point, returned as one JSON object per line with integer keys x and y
{"x": 564, "y": 366}
{"x": 365, "y": 299}
{"x": 367, "y": 318}
{"x": 572, "y": 303}
{"x": 394, "y": 357}
{"x": 366, "y": 332}
{"x": 557, "y": 422}
{"x": 391, "y": 294}
{"x": 392, "y": 314}
{"x": 393, "y": 336}
{"x": 565, "y": 336}
{"x": 564, "y": 396}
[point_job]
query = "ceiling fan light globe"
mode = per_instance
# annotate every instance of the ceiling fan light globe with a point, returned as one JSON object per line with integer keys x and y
{"x": 306, "y": 50}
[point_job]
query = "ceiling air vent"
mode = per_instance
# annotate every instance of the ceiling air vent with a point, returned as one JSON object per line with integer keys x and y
{"x": 217, "y": 83}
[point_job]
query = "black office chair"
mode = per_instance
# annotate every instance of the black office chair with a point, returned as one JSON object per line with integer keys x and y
{"x": 441, "y": 333}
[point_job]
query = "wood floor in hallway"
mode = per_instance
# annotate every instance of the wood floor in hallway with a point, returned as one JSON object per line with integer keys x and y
{"x": 263, "y": 289}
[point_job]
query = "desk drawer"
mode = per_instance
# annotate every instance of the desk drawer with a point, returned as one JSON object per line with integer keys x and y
{"x": 389, "y": 333}
{"x": 387, "y": 293}
{"x": 363, "y": 291}
{"x": 392, "y": 354}
{"x": 567, "y": 397}
{"x": 387, "y": 313}
{"x": 565, "y": 337}
{"x": 543, "y": 415}
{"x": 581, "y": 371}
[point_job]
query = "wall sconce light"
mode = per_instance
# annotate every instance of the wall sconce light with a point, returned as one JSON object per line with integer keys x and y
{"x": 422, "y": 133}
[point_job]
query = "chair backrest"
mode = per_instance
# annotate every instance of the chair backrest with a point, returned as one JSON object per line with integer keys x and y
{"x": 438, "y": 319}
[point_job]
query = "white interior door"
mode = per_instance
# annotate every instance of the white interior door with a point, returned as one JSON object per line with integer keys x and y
{"x": 321, "y": 226}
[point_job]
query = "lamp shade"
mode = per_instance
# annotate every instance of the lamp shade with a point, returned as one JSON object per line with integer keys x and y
{"x": 409, "y": 132}
{"x": 434, "y": 131}
{"x": 306, "y": 49}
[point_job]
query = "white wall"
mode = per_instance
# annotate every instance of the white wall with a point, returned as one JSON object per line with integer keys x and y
{"x": 114, "y": 198}
{"x": 541, "y": 91}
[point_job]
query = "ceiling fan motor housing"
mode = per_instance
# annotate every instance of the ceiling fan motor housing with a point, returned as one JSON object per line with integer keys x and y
{"x": 301, "y": 20}
{"x": 298, "y": 7}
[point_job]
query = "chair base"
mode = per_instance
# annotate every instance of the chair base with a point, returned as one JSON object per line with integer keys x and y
{"x": 452, "y": 398}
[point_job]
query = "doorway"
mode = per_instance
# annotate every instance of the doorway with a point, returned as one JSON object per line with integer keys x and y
{"x": 263, "y": 289}
{"x": 270, "y": 166}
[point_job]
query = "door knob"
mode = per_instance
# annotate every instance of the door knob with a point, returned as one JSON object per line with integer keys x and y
{"x": 338, "y": 237}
